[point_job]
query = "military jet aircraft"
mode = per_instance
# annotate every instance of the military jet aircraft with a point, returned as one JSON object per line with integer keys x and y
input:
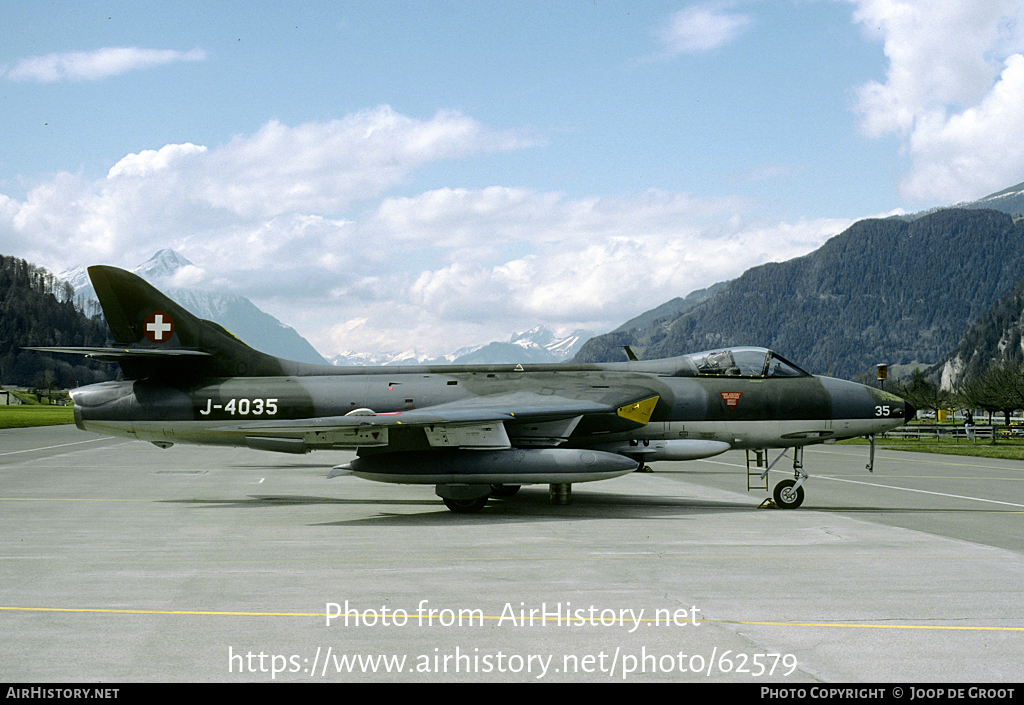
{"x": 472, "y": 431}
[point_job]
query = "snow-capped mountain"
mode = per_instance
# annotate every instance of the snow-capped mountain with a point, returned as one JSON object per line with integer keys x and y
{"x": 162, "y": 266}
{"x": 1009, "y": 200}
{"x": 537, "y": 345}
{"x": 236, "y": 313}
{"x": 264, "y": 332}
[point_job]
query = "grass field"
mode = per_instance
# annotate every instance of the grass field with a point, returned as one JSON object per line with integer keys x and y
{"x": 24, "y": 415}
{"x": 1004, "y": 448}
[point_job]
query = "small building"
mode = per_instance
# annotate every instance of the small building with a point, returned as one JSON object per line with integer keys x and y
{"x": 7, "y": 398}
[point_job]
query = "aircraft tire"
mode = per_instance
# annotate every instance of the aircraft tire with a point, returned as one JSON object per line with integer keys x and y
{"x": 786, "y": 497}
{"x": 504, "y": 491}
{"x": 466, "y": 506}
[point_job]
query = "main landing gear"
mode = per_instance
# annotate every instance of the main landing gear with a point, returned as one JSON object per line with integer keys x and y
{"x": 788, "y": 494}
{"x": 465, "y": 506}
{"x": 470, "y": 499}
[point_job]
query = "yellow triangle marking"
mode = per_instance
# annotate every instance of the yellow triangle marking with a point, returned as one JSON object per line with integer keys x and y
{"x": 640, "y": 412}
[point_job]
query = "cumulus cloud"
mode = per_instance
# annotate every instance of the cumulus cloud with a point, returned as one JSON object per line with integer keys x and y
{"x": 96, "y": 65}
{"x": 593, "y": 262}
{"x": 973, "y": 152}
{"x": 303, "y": 220}
{"x": 949, "y": 92}
{"x": 151, "y": 161}
{"x": 700, "y": 28}
{"x": 324, "y": 167}
{"x": 256, "y": 195}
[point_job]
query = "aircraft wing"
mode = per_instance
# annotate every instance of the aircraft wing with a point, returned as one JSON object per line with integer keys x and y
{"x": 490, "y": 421}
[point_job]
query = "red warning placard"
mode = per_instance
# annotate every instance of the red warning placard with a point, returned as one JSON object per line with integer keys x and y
{"x": 731, "y": 398}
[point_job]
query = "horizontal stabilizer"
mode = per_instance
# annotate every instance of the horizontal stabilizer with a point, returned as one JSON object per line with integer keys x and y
{"x": 119, "y": 354}
{"x": 155, "y": 336}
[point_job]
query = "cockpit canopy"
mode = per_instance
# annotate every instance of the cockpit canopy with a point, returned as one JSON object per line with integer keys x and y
{"x": 738, "y": 362}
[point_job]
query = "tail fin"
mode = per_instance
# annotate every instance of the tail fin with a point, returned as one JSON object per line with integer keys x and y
{"x": 161, "y": 337}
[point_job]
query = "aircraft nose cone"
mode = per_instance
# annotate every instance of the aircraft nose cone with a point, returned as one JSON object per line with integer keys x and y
{"x": 909, "y": 411}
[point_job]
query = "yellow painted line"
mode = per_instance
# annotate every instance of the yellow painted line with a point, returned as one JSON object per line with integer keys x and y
{"x": 874, "y": 626}
{"x": 624, "y": 622}
{"x": 72, "y": 499}
{"x": 179, "y": 612}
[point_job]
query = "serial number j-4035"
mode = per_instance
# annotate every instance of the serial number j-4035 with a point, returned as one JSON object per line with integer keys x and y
{"x": 242, "y": 407}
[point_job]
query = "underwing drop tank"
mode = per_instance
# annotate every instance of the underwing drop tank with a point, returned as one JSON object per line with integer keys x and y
{"x": 520, "y": 466}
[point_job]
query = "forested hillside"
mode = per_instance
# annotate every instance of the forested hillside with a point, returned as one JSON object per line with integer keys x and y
{"x": 37, "y": 309}
{"x": 994, "y": 338}
{"x": 883, "y": 291}
{"x": 671, "y": 308}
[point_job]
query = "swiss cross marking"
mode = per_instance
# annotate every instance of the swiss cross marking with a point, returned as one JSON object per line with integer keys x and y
{"x": 731, "y": 398}
{"x": 158, "y": 327}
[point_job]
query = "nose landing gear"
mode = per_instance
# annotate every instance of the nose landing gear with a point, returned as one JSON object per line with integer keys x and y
{"x": 788, "y": 494}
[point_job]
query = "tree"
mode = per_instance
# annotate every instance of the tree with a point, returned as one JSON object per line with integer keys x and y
{"x": 999, "y": 388}
{"x": 922, "y": 393}
{"x": 36, "y": 309}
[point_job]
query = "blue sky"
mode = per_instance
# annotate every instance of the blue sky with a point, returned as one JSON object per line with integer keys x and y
{"x": 390, "y": 176}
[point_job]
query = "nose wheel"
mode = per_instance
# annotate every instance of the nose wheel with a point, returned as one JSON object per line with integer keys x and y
{"x": 788, "y": 495}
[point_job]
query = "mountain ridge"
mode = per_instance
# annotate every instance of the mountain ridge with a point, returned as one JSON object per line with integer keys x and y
{"x": 995, "y": 337}
{"x": 537, "y": 345}
{"x": 884, "y": 290}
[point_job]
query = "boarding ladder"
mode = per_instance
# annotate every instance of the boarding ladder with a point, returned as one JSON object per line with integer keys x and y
{"x": 760, "y": 457}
